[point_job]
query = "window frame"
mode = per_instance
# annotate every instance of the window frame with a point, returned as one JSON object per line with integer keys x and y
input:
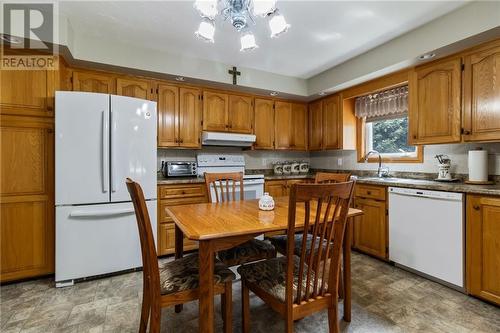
{"x": 386, "y": 158}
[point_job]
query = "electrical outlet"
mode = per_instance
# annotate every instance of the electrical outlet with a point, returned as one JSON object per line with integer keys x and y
{"x": 340, "y": 161}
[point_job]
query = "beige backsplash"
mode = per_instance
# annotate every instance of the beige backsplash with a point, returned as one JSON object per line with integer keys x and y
{"x": 329, "y": 160}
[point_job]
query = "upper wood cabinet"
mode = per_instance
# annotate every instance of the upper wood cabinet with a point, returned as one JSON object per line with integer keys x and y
{"x": 189, "y": 118}
{"x": 482, "y": 245}
{"x": 264, "y": 124}
{"x": 227, "y": 113}
{"x": 481, "y": 117}
{"x": 179, "y": 117}
{"x": 134, "y": 88}
{"x": 29, "y": 93}
{"x": 283, "y": 125}
{"x": 299, "y": 126}
{"x": 168, "y": 116}
{"x": 434, "y": 103}
{"x": 215, "y": 111}
{"x": 331, "y": 122}
{"x": 93, "y": 82}
{"x": 316, "y": 125}
{"x": 241, "y": 114}
{"x": 290, "y": 123}
{"x": 27, "y": 197}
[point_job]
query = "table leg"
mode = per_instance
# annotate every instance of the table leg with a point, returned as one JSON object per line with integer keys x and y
{"x": 179, "y": 252}
{"x": 206, "y": 302}
{"x": 347, "y": 271}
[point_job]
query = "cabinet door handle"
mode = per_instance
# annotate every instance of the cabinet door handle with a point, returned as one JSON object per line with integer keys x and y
{"x": 181, "y": 141}
{"x": 415, "y": 137}
{"x": 369, "y": 192}
{"x": 476, "y": 207}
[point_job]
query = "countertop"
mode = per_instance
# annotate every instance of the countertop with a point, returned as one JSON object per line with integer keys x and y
{"x": 397, "y": 182}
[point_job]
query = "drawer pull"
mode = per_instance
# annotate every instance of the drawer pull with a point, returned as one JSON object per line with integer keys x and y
{"x": 369, "y": 192}
{"x": 476, "y": 207}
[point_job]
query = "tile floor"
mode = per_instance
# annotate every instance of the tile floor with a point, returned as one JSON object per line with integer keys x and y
{"x": 385, "y": 299}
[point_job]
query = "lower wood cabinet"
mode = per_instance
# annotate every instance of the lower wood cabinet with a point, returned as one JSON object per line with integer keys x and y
{"x": 171, "y": 195}
{"x": 370, "y": 231}
{"x": 281, "y": 188}
{"x": 483, "y": 247}
{"x": 27, "y": 197}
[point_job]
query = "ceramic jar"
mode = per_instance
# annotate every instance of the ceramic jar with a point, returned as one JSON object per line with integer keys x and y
{"x": 278, "y": 168}
{"x": 295, "y": 168}
{"x": 266, "y": 202}
{"x": 304, "y": 167}
{"x": 287, "y": 168}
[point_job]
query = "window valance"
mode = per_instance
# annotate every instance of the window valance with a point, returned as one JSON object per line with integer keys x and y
{"x": 383, "y": 104}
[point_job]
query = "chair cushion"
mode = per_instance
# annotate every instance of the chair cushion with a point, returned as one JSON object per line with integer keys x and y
{"x": 183, "y": 274}
{"x": 252, "y": 250}
{"x": 280, "y": 242}
{"x": 270, "y": 276}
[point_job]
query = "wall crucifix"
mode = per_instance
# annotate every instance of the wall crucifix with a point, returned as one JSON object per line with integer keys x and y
{"x": 234, "y": 72}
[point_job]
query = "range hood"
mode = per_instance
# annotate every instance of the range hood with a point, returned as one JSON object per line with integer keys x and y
{"x": 227, "y": 139}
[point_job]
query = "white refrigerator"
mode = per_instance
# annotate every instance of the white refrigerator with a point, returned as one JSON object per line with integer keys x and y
{"x": 101, "y": 140}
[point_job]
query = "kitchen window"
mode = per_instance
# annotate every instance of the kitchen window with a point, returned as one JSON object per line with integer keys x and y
{"x": 383, "y": 122}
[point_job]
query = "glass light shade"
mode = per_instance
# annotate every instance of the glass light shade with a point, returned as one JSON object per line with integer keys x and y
{"x": 206, "y": 8}
{"x": 248, "y": 42}
{"x": 206, "y": 31}
{"x": 278, "y": 25}
{"x": 263, "y": 7}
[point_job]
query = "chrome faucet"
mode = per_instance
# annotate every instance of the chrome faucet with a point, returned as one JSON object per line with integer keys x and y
{"x": 381, "y": 172}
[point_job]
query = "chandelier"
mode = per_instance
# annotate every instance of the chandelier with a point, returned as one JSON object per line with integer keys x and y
{"x": 240, "y": 13}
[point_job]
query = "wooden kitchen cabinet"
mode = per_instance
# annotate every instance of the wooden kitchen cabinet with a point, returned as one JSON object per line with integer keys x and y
{"x": 331, "y": 122}
{"x": 281, "y": 187}
{"x": 435, "y": 103}
{"x": 290, "y": 120}
{"x": 241, "y": 114}
{"x": 264, "y": 124}
{"x": 132, "y": 87}
{"x": 481, "y": 117}
{"x": 27, "y": 93}
{"x": 27, "y": 197}
{"x": 215, "y": 111}
{"x": 179, "y": 117}
{"x": 93, "y": 82}
{"x": 316, "y": 125}
{"x": 171, "y": 195}
{"x": 483, "y": 247}
{"x": 370, "y": 231}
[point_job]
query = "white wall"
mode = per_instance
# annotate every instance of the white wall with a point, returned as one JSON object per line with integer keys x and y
{"x": 257, "y": 159}
{"x": 457, "y": 153}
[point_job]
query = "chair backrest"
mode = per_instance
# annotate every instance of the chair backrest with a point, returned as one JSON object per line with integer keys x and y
{"x": 330, "y": 177}
{"x": 224, "y": 185}
{"x": 324, "y": 209}
{"x": 151, "y": 272}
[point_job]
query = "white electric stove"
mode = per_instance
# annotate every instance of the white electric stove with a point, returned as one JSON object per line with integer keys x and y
{"x": 253, "y": 184}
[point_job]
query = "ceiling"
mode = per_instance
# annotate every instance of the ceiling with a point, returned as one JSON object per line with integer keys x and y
{"x": 323, "y": 34}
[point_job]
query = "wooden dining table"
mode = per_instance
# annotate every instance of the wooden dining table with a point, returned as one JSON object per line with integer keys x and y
{"x": 221, "y": 226}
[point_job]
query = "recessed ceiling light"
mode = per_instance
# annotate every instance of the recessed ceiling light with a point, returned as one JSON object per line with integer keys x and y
{"x": 180, "y": 78}
{"x": 322, "y": 93}
{"x": 427, "y": 56}
{"x": 11, "y": 39}
{"x": 273, "y": 93}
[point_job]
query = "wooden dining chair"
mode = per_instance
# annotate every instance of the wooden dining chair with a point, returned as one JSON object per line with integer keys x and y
{"x": 174, "y": 282}
{"x": 224, "y": 187}
{"x": 280, "y": 241}
{"x": 293, "y": 285}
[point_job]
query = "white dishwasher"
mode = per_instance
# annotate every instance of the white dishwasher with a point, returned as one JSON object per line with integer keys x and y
{"x": 426, "y": 233}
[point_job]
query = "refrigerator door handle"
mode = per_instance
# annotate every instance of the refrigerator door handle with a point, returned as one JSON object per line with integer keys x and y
{"x": 105, "y": 151}
{"x": 89, "y": 213}
{"x": 113, "y": 151}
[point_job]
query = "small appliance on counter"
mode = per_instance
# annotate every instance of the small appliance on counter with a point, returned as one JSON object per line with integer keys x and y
{"x": 478, "y": 167}
{"x": 444, "y": 165}
{"x": 179, "y": 169}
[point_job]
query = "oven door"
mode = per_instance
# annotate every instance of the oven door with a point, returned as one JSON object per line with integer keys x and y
{"x": 180, "y": 169}
{"x": 252, "y": 189}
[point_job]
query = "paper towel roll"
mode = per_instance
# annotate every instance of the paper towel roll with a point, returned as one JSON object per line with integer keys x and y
{"x": 478, "y": 165}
